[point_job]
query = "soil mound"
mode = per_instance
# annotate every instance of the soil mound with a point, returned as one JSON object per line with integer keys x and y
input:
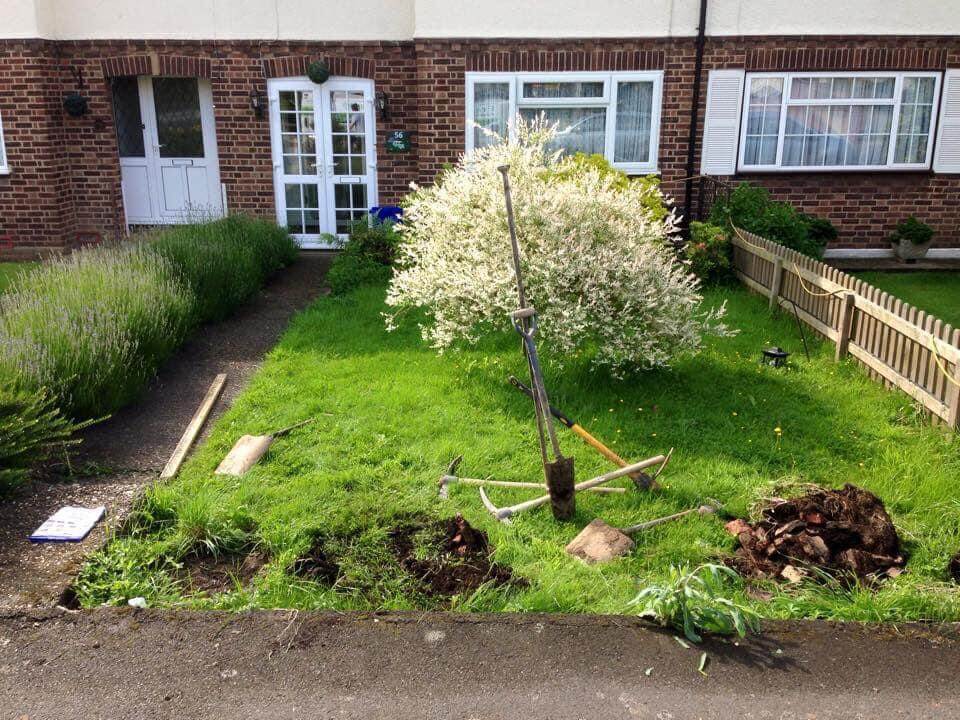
{"x": 458, "y": 566}
{"x": 846, "y": 533}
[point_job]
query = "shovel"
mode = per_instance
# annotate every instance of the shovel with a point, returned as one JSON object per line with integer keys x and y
{"x": 558, "y": 470}
{"x": 249, "y": 449}
{"x": 599, "y": 542}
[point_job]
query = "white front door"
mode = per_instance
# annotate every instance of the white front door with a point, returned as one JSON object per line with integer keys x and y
{"x": 168, "y": 149}
{"x": 324, "y": 156}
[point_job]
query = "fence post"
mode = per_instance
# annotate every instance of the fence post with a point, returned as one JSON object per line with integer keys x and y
{"x": 776, "y": 282}
{"x": 953, "y": 392}
{"x": 844, "y": 324}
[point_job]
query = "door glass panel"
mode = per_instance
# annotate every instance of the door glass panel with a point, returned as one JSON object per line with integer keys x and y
{"x": 350, "y": 204}
{"x": 126, "y": 116}
{"x": 298, "y": 141}
{"x": 179, "y": 130}
{"x": 349, "y": 141}
{"x": 303, "y": 204}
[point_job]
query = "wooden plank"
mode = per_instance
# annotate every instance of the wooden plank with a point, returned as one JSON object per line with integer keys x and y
{"x": 844, "y": 325}
{"x": 929, "y": 402}
{"x": 775, "y": 282}
{"x": 953, "y": 394}
{"x": 193, "y": 428}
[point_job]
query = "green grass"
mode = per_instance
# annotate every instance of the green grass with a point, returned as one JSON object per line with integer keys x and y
{"x": 400, "y": 412}
{"x": 10, "y": 270}
{"x": 935, "y": 292}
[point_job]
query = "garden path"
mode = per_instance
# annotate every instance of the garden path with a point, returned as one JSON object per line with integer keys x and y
{"x": 120, "y": 456}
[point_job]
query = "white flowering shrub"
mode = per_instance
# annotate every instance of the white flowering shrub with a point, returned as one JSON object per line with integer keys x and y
{"x": 597, "y": 266}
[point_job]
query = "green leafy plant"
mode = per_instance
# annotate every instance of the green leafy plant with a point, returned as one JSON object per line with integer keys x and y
{"x": 692, "y": 601}
{"x": 709, "y": 252}
{"x": 749, "y": 207}
{"x": 366, "y": 258}
{"x": 31, "y": 429}
{"x": 913, "y": 231}
{"x": 820, "y": 230}
{"x": 652, "y": 201}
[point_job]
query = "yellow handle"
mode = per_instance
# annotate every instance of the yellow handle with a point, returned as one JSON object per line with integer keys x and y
{"x": 599, "y": 446}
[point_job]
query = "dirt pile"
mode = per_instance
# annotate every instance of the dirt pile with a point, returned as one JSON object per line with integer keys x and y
{"x": 846, "y": 533}
{"x": 459, "y": 563}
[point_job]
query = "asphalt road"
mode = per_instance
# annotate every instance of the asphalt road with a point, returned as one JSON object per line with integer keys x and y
{"x": 265, "y": 665}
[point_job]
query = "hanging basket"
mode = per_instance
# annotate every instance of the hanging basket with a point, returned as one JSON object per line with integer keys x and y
{"x": 318, "y": 72}
{"x": 75, "y": 104}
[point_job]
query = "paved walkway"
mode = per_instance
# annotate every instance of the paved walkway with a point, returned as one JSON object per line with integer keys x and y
{"x": 122, "y": 455}
{"x": 266, "y": 665}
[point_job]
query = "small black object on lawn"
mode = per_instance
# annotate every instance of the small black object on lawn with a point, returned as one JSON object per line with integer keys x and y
{"x": 774, "y": 356}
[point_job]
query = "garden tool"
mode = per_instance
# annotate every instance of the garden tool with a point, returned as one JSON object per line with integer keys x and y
{"x": 503, "y": 514}
{"x": 450, "y": 478}
{"x": 599, "y": 542}
{"x": 249, "y": 449}
{"x": 558, "y": 471}
{"x": 641, "y": 480}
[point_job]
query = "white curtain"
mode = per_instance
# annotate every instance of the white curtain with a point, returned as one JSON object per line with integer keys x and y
{"x": 491, "y": 111}
{"x": 580, "y": 129}
{"x": 634, "y": 109}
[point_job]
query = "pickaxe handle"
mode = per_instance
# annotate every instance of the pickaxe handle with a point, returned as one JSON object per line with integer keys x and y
{"x": 578, "y": 429}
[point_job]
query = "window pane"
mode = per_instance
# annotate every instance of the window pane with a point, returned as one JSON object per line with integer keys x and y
{"x": 126, "y": 115}
{"x": 634, "y": 110}
{"x": 177, "y": 104}
{"x": 491, "y": 111}
{"x": 763, "y": 121}
{"x": 913, "y": 126}
{"x": 538, "y": 90}
{"x": 581, "y": 129}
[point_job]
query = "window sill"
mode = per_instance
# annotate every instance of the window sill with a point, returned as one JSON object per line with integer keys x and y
{"x": 836, "y": 171}
{"x": 4, "y": 170}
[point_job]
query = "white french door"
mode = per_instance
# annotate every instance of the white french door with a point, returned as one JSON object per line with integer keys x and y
{"x": 324, "y": 156}
{"x": 168, "y": 149}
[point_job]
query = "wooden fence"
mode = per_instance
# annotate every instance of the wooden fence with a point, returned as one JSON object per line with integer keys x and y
{"x": 902, "y": 346}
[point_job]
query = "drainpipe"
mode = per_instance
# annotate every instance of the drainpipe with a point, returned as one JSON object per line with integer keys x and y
{"x": 694, "y": 114}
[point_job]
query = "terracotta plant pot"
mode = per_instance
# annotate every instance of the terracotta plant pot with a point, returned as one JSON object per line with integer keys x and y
{"x": 907, "y": 250}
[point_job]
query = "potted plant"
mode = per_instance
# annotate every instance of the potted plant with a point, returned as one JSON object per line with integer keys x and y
{"x": 911, "y": 239}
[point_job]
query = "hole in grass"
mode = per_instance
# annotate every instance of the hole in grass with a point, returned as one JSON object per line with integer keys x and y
{"x": 318, "y": 565}
{"x": 448, "y": 557}
{"x": 212, "y": 574}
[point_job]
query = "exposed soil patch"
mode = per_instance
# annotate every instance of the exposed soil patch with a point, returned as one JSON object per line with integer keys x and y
{"x": 216, "y": 574}
{"x": 458, "y": 564}
{"x": 318, "y": 565}
{"x": 847, "y": 533}
{"x": 953, "y": 568}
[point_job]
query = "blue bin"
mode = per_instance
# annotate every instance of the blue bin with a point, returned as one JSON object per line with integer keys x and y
{"x": 383, "y": 213}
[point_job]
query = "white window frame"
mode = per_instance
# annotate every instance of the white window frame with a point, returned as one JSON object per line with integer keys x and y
{"x": 4, "y": 158}
{"x": 608, "y": 101}
{"x": 786, "y": 102}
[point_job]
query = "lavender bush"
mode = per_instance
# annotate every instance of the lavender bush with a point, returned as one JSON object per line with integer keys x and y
{"x": 92, "y": 328}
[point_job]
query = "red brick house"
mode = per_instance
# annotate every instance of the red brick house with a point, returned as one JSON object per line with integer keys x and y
{"x": 115, "y": 115}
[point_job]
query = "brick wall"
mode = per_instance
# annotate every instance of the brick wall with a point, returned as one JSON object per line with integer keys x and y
{"x": 65, "y": 184}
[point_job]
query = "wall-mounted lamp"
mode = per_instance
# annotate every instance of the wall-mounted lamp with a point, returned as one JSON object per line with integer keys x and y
{"x": 257, "y": 102}
{"x": 380, "y": 100}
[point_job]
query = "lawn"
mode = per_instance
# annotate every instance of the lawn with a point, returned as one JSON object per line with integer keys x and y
{"x": 10, "y": 270}
{"x": 935, "y": 292}
{"x": 398, "y": 413}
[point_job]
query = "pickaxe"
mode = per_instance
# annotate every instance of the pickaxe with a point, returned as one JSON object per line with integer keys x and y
{"x": 640, "y": 479}
{"x": 450, "y": 477}
{"x": 505, "y": 513}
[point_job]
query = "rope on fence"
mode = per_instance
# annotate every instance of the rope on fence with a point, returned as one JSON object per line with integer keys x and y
{"x": 803, "y": 285}
{"x": 937, "y": 359}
